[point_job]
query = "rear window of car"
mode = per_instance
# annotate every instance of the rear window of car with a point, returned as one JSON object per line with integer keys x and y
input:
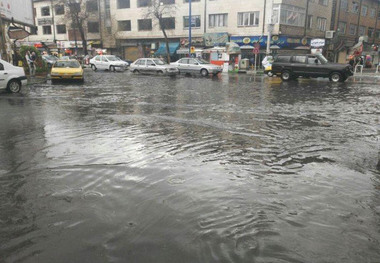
{"x": 299, "y": 59}
{"x": 282, "y": 59}
{"x": 67, "y": 64}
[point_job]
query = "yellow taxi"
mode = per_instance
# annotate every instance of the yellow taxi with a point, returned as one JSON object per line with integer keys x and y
{"x": 67, "y": 70}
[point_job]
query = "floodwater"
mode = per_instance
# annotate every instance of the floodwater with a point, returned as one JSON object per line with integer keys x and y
{"x": 133, "y": 168}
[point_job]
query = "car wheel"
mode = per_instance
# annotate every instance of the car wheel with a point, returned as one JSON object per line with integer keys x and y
{"x": 160, "y": 72}
{"x": 270, "y": 74}
{"x": 112, "y": 68}
{"x": 285, "y": 75}
{"x": 14, "y": 86}
{"x": 204, "y": 72}
{"x": 93, "y": 67}
{"x": 135, "y": 71}
{"x": 336, "y": 77}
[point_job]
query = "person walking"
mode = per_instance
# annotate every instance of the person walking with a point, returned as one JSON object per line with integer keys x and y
{"x": 30, "y": 61}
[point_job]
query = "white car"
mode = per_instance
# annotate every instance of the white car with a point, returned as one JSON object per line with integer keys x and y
{"x": 108, "y": 62}
{"x": 196, "y": 66}
{"x": 11, "y": 77}
{"x": 153, "y": 66}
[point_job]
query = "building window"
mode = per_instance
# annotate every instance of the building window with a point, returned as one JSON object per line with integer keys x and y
{"x": 371, "y": 32}
{"x": 61, "y": 29}
{"x": 324, "y": 2}
{"x": 378, "y": 34}
{"x": 309, "y": 21}
{"x": 59, "y": 10}
{"x": 121, "y": 4}
{"x": 45, "y": 11}
{"x": 342, "y": 28}
{"x": 93, "y": 27}
{"x": 352, "y": 31}
{"x": 361, "y": 30}
{"x": 124, "y": 25}
{"x": 364, "y": 10}
{"x": 344, "y": 5}
{"x": 321, "y": 23}
{"x": 144, "y": 24}
{"x": 167, "y": 2}
{"x": 218, "y": 20}
{"x": 46, "y": 30}
{"x": 372, "y": 13}
{"x": 144, "y": 3}
{"x": 291, "y": 15}
{"x": 195, "y": 21}
{"x": 168, "y": 23}
{"x": 91, "y": 6}
{"x": 248, "y": 19}
{"x": 355, "y": 7}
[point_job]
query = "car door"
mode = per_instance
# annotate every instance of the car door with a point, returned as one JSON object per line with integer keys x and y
{"x": 183, "y": 65}
{"x": 299, "y": 65}
{"x": 98, "y": 62}
{"x": 150, "y": 66}
{"x": 315, "y": 68}
{"x": 194, "y": 66}
{"x": 3, "y": 77}
{"x": 141, "y": 65}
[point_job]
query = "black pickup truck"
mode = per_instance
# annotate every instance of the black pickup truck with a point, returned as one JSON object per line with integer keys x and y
{"x": 313, "y": 66}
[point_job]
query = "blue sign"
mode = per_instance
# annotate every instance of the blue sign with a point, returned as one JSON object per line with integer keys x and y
{"x": 281, "y": 41}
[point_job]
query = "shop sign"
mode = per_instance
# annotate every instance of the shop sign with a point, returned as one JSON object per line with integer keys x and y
{"x": 195, "y": 41}
{"x": 281, "y": 41}
{"x": 215, "y": 39}
{"x": 318, "y": 42}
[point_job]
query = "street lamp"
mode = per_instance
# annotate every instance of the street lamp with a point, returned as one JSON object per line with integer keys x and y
{"x": 189, "y": 28}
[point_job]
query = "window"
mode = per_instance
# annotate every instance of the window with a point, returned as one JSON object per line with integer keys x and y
{"x": 283, "y": 59}
{"x": 141, "y": 62}
{"x": 167, "y": 2}
{"x": 352, "y": 30}
{"x": 309, "y": 21}
{"x": 299, "y": 59}
{"x": 195, "y": 21}
{"x": 321, "y": 23}
{"x": 144, "y": 24}
{"x": 59, "y": 10}
{"x": 324, "y": 2}
{"x": 372, "y": 14}
{"x": 168, "y": 23}
{"x": 121, "y": 4}
{"x": 91, "y": 6}
{"x": 46, "y": 30}
{"x": 45, "y": 11}
{"x": 93, "y": 27}
{"x": 355, "y": 7}
{"x": 378, "y": 34}
{"x": 344, "y": 5}
{"x": 150, "y": 63}
{"x": 248, "y": 19}
{"x": 371, "y": 32}
{"x": 342, "y": 28}
{"x": 186, "y": 1}
{"x": 364, "y": 10}
{"x": 361, "y": 30}
{"x": 218, "y": 20}
{"x": 124, "y": 25}
{"x": 184, "y": 61}
{"x": 143, "y": 3}
{"x": 292, "y": 15}
{"x": 1, "y": 66}
{"x": 61, "y": 29}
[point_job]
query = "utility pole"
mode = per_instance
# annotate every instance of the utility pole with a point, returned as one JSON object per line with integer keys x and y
{"x": 306, "y": 17}
{"x": 3, "y": 52}
{"x": 52, "y": 13}
{"x": 190, "y": 28}
{"x": 357, "y": 26}
{"x": 270, "y": 28}
{"x": 377, "y": 17}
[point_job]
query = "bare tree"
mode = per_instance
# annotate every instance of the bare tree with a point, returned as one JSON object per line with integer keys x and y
{"x": 77, "y": 15}
{"x": 162, "y": 11}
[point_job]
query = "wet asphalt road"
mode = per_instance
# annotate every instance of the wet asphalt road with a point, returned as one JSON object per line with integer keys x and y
{"x": 133, "y": 168}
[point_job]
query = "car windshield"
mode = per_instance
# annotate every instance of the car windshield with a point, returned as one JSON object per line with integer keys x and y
{"x": 50, "y": 57}
{"x": 201, "y": 61}
{"x": 159, "y": 62}
{"x": 322, "y": 59}
{"x": 112, "y": 58}
{"x": 67, "y": 64}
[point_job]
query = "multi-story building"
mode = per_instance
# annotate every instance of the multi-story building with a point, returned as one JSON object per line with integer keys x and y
{"x": 56, "y": 30}
{"x": 215, "y": 22}
{"x": 355, "y": 20}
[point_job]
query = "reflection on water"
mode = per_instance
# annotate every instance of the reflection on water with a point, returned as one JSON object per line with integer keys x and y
{"x": 155, "y": 169}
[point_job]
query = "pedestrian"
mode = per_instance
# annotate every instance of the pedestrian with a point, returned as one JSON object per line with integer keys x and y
{"x": 30, "y": 60}
{"x": 351, "y": 61}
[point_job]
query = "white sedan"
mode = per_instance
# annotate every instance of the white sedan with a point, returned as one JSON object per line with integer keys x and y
{"x": 108, "y": 62}
{"x": 11, "y": 77}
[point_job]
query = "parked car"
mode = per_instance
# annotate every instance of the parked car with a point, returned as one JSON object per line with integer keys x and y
{"x": 11, "y": 77}
{"x": 313, "y": 66}
{"x": 49, "y": 59}
{"x": 108, "y": 62}
{"x": 67, "y": 70}
{"x": 153, "y": 66}
{"x": 196, "y": 66}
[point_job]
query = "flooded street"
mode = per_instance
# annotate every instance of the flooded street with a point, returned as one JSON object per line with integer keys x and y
{"x": 134, "y": 168}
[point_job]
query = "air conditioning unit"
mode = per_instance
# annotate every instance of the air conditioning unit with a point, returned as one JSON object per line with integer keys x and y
{"x": 329, "y": 34}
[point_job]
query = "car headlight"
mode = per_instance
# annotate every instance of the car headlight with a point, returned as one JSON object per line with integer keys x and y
{"x": 77, "y": 74}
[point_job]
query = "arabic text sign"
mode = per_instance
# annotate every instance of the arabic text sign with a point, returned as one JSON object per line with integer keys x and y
{"x": 19, "y": 10}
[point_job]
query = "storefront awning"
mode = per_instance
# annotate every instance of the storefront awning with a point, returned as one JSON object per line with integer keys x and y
{"x": 161, "y": 51}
